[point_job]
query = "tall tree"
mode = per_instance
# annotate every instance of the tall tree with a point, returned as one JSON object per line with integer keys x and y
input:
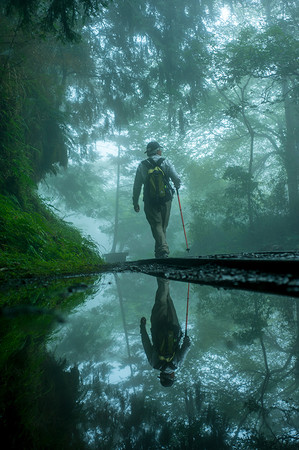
{"x": 270, "y": 56}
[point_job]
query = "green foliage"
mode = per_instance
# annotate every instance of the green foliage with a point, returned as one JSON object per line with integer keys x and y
{"x": 273, "y": 52}
{"x": 55, "y": 16}
{"x": 35, "y": 242}
{"x": 266, "y": 57}
{"x": 243, "y": 183}
{"x": 15, "y": 169}
{"x": 32, "y": 137}
{"x": 178, "y": 74}
{"x": 248, "y": 128}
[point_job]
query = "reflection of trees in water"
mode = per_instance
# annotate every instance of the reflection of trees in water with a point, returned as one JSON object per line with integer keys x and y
{"x": 237, "y": 388}
{"x": 123, "y": 315}
{"x": 255, "y": 341}
{"x": 135, "y": 421}
{"x": 39, "y": 407}
{"x": 246, "y": 393}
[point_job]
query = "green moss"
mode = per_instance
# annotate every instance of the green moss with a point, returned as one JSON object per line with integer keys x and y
{"x": 34, "y": 242}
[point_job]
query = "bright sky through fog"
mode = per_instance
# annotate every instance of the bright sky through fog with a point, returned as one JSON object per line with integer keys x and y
{"x": 106, "y": 148}
{"x": 224, "y": 13}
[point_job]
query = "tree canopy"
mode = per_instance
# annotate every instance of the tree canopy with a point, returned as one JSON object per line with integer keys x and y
{"x": 217, "y": 83}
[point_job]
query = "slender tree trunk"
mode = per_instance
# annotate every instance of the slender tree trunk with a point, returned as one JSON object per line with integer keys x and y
{"x": 249, "y": 189}
{"x": 115, "y": 235}
{"x": 250, "y": 165}
{"x": 291, "y": 152}
{"x": 122, "y": 309}
{"x": 170, "y": 113}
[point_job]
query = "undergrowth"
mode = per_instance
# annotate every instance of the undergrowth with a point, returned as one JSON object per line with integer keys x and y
{"x": 34, "y": 242}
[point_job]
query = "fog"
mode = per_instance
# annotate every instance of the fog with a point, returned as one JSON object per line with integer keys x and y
{"x": 85, "y": 87}
{"x": 210, "y": 83}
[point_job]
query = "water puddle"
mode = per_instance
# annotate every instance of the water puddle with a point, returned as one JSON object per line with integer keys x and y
{"x": 78, "y": 370}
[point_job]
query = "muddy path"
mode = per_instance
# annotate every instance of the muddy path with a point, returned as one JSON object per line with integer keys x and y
{"x": 270, "y": 272}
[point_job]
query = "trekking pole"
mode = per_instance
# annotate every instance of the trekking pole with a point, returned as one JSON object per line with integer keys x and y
{"x": 188, "y": 249}
{"x": 187, "y": 309}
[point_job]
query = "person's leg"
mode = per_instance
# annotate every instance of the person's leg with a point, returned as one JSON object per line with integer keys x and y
{"x": 164, "y": 317}
{"x": 157, "y": 218}
{"x": 172, "y": 318}
{"x": 159, "y": 310}
{"x": 165, "y": 212}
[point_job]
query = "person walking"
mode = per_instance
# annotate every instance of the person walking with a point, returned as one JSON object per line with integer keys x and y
{"x": 168, "y": 349}
{"x": 157, "y": 208}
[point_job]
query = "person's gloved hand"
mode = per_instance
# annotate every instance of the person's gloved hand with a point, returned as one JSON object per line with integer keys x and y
{"x": 136, "y": 208}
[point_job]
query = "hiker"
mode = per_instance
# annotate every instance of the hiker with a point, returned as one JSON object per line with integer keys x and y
{"x": 165, "y": 353}
{"x": 154, "y": 173}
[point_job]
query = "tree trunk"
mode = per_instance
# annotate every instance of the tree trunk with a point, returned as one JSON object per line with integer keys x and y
{"x": 115, "y": 234}
{"x": 291, "y": 152}
{"x": 250, "y": 164}
{"x": 122, "y": 309}
{"x": 249, "y": 189}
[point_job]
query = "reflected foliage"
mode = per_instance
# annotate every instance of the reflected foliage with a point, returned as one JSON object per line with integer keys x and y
{"x": 38, "y": 395}
{"x": 45, "y": 413}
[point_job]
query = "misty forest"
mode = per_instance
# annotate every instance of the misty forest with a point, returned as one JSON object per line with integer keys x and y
{"x": 85, "y": 86}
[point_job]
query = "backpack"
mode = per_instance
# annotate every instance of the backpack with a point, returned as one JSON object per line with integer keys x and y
{"x": 167, "y": 346}
{"x": 156, "y": 187}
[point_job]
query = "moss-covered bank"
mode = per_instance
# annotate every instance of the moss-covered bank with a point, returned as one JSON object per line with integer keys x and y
{"x": 34, "y": 242}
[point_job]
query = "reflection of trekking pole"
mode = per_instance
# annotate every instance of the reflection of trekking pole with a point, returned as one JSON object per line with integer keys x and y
{"x": 187, "y": 309}
{"x": 188, "y": 249}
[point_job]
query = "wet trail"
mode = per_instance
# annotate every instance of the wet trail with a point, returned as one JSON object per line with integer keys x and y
{"x": 265, "y": 272}
{"x": 271, "y": 272}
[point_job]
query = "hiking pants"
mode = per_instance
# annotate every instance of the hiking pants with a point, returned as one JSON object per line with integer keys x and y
{"x": 158, "y": 218}
{"x": 163, "y": 315}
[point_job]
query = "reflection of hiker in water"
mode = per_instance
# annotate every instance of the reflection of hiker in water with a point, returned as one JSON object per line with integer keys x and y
{"x": 166, "y": 353}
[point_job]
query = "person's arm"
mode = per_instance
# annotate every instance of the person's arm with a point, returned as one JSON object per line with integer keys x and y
{"x": 172, "y": 174}
{"x": 148, "y": 348}
{"x": 137, "y": 189}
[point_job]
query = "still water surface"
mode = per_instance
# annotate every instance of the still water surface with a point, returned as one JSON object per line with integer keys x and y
{"x": 77, "y": 375}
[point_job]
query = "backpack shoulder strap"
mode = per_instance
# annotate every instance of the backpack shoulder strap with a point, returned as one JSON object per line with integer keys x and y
{"x": 149, "y": 163}
{"x": 159, "y": 162}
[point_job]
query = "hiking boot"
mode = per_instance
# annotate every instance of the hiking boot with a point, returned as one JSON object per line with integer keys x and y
{"x": 164, "y": 255}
